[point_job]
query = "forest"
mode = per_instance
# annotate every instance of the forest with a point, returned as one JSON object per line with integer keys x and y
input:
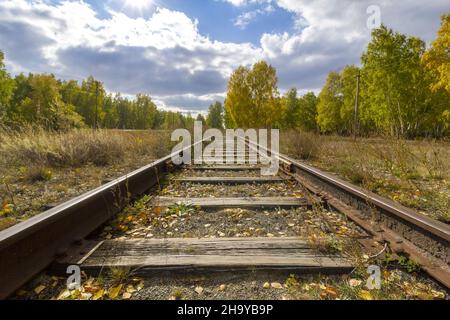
{"x": 403, "y": 90}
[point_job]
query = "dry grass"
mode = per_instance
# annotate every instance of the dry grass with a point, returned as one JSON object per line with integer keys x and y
{"x": 301, "y": 144}
{"x": 39, "y": 149}
{"x": 38, "y": 167}
{"x": 414, "y": 173}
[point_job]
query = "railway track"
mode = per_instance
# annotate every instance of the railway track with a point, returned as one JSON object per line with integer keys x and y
{"x": 57, "y": 237}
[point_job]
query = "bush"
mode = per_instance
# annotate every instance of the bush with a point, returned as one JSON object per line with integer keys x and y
{"x": 301, "y": 144}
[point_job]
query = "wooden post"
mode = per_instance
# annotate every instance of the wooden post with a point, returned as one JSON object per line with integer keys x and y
{"x": 356, "y": 129}
{"x": 96, "y": 105}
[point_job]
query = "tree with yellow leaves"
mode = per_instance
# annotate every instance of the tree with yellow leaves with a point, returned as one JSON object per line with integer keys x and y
{"x": 252, "y": 99}
{"x": 437, "y": 58}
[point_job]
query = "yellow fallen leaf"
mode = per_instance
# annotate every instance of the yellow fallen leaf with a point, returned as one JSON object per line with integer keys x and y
{"x": 64, "y": 295}
{"x": 365, "y": 295}
{"x": 199, "y": 290}
{"x": 126, "y": 295}
{"x": 276, "y": 285}
{"x": 131, "y": 289}
{"x": 354, "y": 282}
{"x": 140, "y": 286}
{"x": 39, "y": 289}
{"x": 99, "y": 294}
{"x": 113, "y": 292}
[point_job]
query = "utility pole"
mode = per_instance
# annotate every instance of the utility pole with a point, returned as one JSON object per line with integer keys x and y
{"x": 96, "y": 105}
{"x": 356, "y": 129}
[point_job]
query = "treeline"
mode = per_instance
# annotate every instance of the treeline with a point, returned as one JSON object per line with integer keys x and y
{"x": 404, "y": 90}
{"x": 43, "y": 100}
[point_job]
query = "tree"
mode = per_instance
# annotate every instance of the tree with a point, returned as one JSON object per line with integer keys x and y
{"x": 90, "y": 102}
{"x": 39, "y": 102}
{"x": 348, "y": 86}
{"x": 214, "y": 118}
{"x": 201, "y": 118}
{"x": 307, "y": 112}
{"x": 146, "y": 112}
{"x": 397, "y": 88}
{"x": 252, "y": 98}
{"x": 290, "y": 109}
{"x": 7, "y": 86}
{"x": 188, "y": 121}
{"x": 330, "y": 104}
{"x": 437, "y": 58}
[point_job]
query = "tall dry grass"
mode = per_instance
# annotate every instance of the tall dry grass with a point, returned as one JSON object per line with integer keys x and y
{"x": 300, "y": 144}
{"x": 75, "y": 148}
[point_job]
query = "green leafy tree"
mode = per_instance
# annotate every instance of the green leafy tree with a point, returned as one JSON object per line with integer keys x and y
{"x": 291, "y": 106}
{"x": 397, "y": 89}
{"x": 90, "y": 104}
{"x": 330, "y": 104}
{"x": 188, "y": 121}
{"x": 201, "y": 118}
{"x": 348, "y": 86}
{"x": 307, "y": 112}
{"x": 7, "y": 86}
{"x": 146, "y": 112}
{"x": 215, "y": 116}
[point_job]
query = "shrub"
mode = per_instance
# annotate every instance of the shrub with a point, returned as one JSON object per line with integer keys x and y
{"x": 301, "y": 144}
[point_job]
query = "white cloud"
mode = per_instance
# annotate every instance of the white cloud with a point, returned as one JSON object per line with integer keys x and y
{"x": 244, "y": 19}
{"x": 166, "y": 56}
{"x": 240, "y": 3}
{"x": 163, "y": 55}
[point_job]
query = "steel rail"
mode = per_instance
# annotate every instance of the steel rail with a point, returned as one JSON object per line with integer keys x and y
{"x": 424, "y": 239}
{"x": 30, "y": 246}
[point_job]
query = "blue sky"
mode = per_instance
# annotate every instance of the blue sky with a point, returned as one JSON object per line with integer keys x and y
{"x": 182, "y": 52}
{"x": 217, "y": 18}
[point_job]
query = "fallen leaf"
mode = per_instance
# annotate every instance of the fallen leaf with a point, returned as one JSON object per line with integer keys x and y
{"x": 222, "y": 287}
{"x": 354, "y": 282}
{"x": 113, "y": 292}
{"x": 64, "y": 295}
{"x": 365, "y": 295}
{"x": 276, "y": 285}
{"x": 140, "y": 285}
{"x": 266, "y": 285}
{"x": 86, "y": 296}
{"x": 131, "y": 289}
{"x": 199, "y": 290}
{"x": 126, "y": 295}
{"x": 99, "y": 294}
{"x": 39, "y": 289}
{"x": 331, "y": 292}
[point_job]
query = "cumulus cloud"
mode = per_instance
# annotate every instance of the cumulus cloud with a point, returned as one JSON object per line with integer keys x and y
{"x": 332, "y": 34}
{"x": 166, "y": 56}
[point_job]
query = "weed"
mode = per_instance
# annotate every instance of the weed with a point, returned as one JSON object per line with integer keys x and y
{"x": 177, "y": 294}
{"x": 301, "y": 145}
{"x": 180, "y": 209}
{"x": 38, "y": 173}
{"x": 120, "y": 274}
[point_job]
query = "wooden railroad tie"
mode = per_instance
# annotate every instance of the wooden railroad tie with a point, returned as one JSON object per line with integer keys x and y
{"x": 244, "y": 203}
{"x": 224, "y": 255}
{"x": 230, "y": 180}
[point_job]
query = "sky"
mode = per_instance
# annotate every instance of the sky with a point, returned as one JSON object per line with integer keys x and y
{"x": 182, "y": 52}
